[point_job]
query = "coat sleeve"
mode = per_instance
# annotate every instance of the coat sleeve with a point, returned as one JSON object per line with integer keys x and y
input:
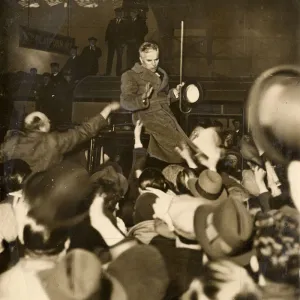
{"x": 67, "y": 141}
{"x": 99, "y": 52}
{"x": 130, "y": 98}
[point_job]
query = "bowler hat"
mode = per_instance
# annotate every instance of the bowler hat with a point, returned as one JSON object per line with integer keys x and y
{"x": 60, "y": 196}
{"x": 192, "y": 92}
{"x": 208, "y": 186}
{"x": 92, "y": 39}
{"x": 225, "y": 231}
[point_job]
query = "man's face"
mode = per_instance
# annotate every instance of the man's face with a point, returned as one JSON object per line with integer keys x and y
{"x": 54, "y": 69}
{"x": 150, "y": 60}
{"x": 92, "y": 43}
{"x": 73, "y": 52}
{"x": 46, "y": 80}
{"x": 133, "y": 14}
{"x": 33, "y": 72}
{"x": 237, "y": 124}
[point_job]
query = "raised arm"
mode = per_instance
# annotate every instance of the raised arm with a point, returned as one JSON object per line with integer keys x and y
{"x": 67, "y": 141}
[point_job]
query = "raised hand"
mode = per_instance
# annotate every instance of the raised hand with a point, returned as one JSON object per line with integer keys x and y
{"x": 114, "y": 105}
{"x": 138, "y": 128}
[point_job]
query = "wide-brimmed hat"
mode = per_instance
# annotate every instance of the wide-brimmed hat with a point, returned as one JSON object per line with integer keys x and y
{"x": 60, "y": 196}
{"x": 225, "y": 231}
{"x": 109, "y": 173}
{"x": 209, "y": 186}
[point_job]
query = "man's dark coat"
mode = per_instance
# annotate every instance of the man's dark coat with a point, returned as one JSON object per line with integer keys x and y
{"x": 156, "y": 115}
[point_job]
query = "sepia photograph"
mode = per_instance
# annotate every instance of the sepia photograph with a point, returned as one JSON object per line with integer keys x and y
{"x": 149, "y": 150}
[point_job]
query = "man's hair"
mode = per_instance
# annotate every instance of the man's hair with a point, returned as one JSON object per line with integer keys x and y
{"x": 148, "y": 46}
{"x": 182, "y": 179}
{"x": 34, "y": 121}
{"x": 154, "y": 178}
{"x": 113, "y": 195}
{"x": 15, "y": 172}
{"x": 45, "y": 241}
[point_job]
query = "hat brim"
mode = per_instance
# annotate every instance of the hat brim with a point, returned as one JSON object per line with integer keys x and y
{"x": 202, "y": 213}
{"x": 192, "y": 187}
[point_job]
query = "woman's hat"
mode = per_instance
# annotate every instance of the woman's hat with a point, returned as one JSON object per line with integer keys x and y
{"x": 209, "y": 186}
{"x": 225, "y": 231}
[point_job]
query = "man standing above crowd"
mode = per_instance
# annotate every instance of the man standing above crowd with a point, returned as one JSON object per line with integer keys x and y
{"x": 89, "y": 58}
{"x": 72, "y": 64}
{"x": 145, "y": 92}
{"x": 137, "y": 30}
{"x": 115, "y": 37}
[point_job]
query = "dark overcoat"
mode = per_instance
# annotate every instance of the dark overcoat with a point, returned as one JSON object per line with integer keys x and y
{"x": 156, "y": 115}
{"x": 42, "y": 150}
{"x": 89, "y": 60}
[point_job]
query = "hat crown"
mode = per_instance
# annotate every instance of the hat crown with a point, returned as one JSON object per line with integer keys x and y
{"x": 210, "y": 181}
{"x": 234, "y": 223}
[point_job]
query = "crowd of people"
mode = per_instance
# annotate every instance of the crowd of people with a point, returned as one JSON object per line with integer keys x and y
{"x": 210, "y": 228}
{"x": 204, "y": 216}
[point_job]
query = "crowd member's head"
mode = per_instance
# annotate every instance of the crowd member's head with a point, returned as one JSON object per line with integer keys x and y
{"x": 111, "y": 184}
{"x": 237, "y": 124}
{"x": 143, "y": 209}
{"x": 92, "y": 41}
{"x": 54, "y": 68}
{"x": 149, "y": 56}
{"x": 225, "y": 231}
{"x": 58, "y": 197}
{"x": 223, "y": 280}
{"x": 277, "y": 244}
{"x": 209, "y": 186}
{"x": 153, "y": 178}
{"x": 46, "y": 78}
{"x": 182, "y": 180}
{"x": 134, "y": 14}
{"x": 73, "y": 51}
{"x": 41, "y": 241}
{"x": 37, "y": 121}
{"x": 33, "y": 71}
{"x": 218, "y": 126}
{"x": 228, "y": 139}
{"x": 119, "y": 13}
{"x": 171, "y": 173}
{"x": 15, "y": 171}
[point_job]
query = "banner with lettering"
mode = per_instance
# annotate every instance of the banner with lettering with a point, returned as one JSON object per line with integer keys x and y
{"x": 44, "y": 41}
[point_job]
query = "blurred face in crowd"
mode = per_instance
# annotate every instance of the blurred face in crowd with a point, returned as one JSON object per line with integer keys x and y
{"x": 46, "y": 80}
{"x": 73, "y": 52}
{"x": 150, "y": 59}
{"x": 237, "y": 125}
{"x": 119, "y": 15}
{"x": 92, "y": 43}
{"x": 33, "y": 72}
{"x": 232, "y": 160}
{"x": 54, "y": 69}
{"x": 133, "y": 14}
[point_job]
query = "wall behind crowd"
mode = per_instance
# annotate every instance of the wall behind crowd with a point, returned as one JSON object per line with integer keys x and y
{"x": 84, "y": 22}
